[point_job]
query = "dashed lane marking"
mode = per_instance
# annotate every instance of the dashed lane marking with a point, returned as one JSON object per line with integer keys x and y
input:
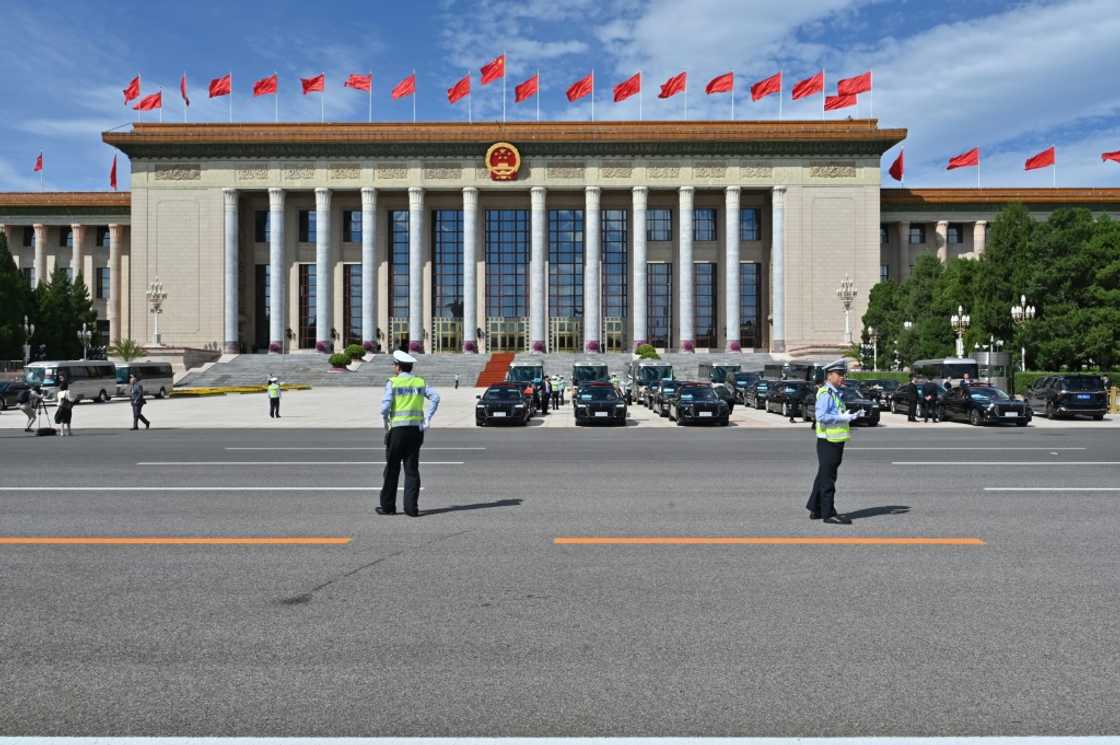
{"x": 171, "y": 540}
{"x": 425, "y": 449}
{"x": 1052, "y": 488}
{"x": 938, "y": 447}
{"x": 761, "y": 541}
{"x": 286, "y": 463}
{"x": 1047, "y": 463}
{"x": 192, "y": 488}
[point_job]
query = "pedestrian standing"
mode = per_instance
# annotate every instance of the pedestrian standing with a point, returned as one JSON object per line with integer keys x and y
{"x": 546, "y": 394}
{"x": 930, "y": 392}
{"x": 910, "y": 392}
{"x": 274, "y": 398}
{"x": 456, "y": 381}
{"x": 833, "y": 426}
{"x": 64, "y": 413}
{"x": 555, "y": 383}
{"x": 402, "y": 409}
{"x": 136, "y": 398}
{"x": 29, "y": 401}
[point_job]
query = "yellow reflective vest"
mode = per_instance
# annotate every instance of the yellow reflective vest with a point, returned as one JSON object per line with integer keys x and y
{"x": 833, "y": 431}
{"x": 408, "y": 400}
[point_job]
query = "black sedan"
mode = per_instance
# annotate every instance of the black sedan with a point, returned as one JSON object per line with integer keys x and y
{"x": 662, "y": 394}
{"x": 1059, "y": 396}
{"x": 697, "y": 403}
{"x": 786, "y": 397}
{"x": 901, "y": 400}
{"x": 879, "y": 390}
{"x": 9, "y": 393}
{"x": 984, "y": 405}
{"x": 503, "y": 403}
{"x": 599, "y": 403}
{"x": 743, "y": 382}
{"x": 855, "y": 399}
{"x": 755, "y": 395}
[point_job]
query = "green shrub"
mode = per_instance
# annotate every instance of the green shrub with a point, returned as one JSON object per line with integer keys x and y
{"x": 647, "y": 352}
{"x": 126, "y": 349}
{"x": 880, "y": 375}
{"x": 338, "y": 359}
{"x": 355, "y": 351}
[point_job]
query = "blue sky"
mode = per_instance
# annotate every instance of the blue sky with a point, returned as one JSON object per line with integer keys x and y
{"x": 1011, "y": 78}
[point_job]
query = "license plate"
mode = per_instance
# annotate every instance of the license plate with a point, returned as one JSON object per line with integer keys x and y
{"x": 498, "y": 413}
{"x": 602, "y": 413}
{"x": 1011, "y": 413}
{"x": 1083, "y": 396}
{"x": 705, "y": 413}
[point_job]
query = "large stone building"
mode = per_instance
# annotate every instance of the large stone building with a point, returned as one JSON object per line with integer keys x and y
{"x": 734, "y": 234}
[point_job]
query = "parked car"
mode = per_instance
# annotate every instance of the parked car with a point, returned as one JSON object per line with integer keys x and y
{"x": 90, "y": 379}
{"x": 1057, "y": 396}
{"x": 743, "y": 381}
{"x": 984, "y": 405}
{"x": 755, "y": 395}
{"x": 9, "y": 393}
{"x": 503, "y": 403}
{"x": 787, "y": 397}
{"x": 878, "y": 390}
{"x": 599, "y": 402}
{"x": 855, "y": 399}
{"x": 900, "y": 400}
{"x": 697, "y": 403}
{"x": 662, "y": 394}
{"x": 156, "y": 377}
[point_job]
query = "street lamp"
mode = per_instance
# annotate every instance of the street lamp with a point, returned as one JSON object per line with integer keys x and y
{"x": 847, "y": 293}
{"x": 873, "y": 335}
{"x": 1020, "y": 314}
{"x": 960, "y": 322}
{"x": 897, "y": 359}
{"x": 156, "y": 296}
{"x": 28, "y": 332}
{"x": 84, "y": 336}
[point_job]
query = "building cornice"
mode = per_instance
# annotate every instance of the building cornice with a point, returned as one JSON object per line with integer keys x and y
{"x": 909, "y": 199}
{"x": 62, "y": 203}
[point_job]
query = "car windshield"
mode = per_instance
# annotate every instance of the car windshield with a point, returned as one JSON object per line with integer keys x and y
{"x": 39, "y": 375}
{"x": 598, "y": 393}
{"x": 122, "y": 374}
{"x": 668, "y": 387}
{"x": 590, "y": 372}
{"x": 886, "y": 385}
{"x": 502, "y": 394}
{"x": 958, "y": 370}
{"x": 788, "y": 388}
{"x": 698, "y": 394}
{"x": 850, "y": 391}
{"x": 1083, "y": 384}
{"x": 647, "y": 375}
{"x": 525, "y": 374}
{"x": 746, "y": 378}
{"x": 987, "y": 394}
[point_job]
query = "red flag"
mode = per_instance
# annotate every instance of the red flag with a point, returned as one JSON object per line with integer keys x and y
{"x": 897, "y": 168}
{"x": 763, "y": 88}
{"x": 315, "y": 84}
{"x": 132, "y": 91}
{"x": 809, "y": 86}
{"x": 459, "y": 90}
{"x": 529, "y": 88}
{"x": 673, "y": 85}
{"x": 150, "y": 102}
{"x": 359, "y": 82}
{"x": 964, "y": 160}
{"x": 183, "y": 91}
{"x": 1042, "y": 160}
{"x": 113, "y": 175}
{"x": 1113, "y": 156}
{"x": 494, "y": 69}
{"x": 405, "y": 88}
{"x": 720, "y": 83}
{"x": 266, "y": 86}
{"x": 581, "y": 87}
{"x": 854, "y": 86}
{"x": 628, "y": 87}
{"x": 831, "y": 103}
{"x": 38, "y": 163}
{"x": 221, "y": 86}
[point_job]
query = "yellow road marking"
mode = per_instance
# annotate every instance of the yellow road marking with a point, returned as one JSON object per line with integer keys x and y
{"x": 171, "y": 540}
{"x": 667, "y": 540}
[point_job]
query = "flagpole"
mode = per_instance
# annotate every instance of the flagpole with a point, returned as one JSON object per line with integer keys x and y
{"x": 732, "y": 95}
{"x": 323, "y": 102}
{"x": 161, "y": 105}
{"x": 780, "y": 94}
{"x": 275, "y": 101}
{"x": 231, "y": 97}
{"x": 871, "y": 98}
{"x": 505, "y": 60}
{"x": 413, "y": 95}
{"x": 186, "y": 105}
{"x": 537, "y": 95}
{"x": 824, "y": 89}
{"x": 139, "y": 113}
{"x": 639, "y": 95}
{"x": 1054, "y": 170}
{"x": 370, "y": 92}
{"x": 593, "y": 94}
{"x": 470, "y": 116}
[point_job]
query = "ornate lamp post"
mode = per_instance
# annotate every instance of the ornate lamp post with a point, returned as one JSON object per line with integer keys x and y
{"x": 84, "y": 336}
{"x": 960, "y": 322}
{"x": 1020, "y": 314}
{"x": 847, "y": 293}
{"x": 897, "y": 359}
{"x": 28, "y": 332}
{"x": 156, "y": 296}
{"x": 873, "y": 335}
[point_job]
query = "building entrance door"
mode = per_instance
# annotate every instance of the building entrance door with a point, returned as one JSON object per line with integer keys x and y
{"x": 659, "y": 303}
{"x": 507, "y": 334}
{"x": 565, "y": 334}
{"x": 447, "y": 335}
{"x": 614, "y": 334}
{"x": 398, "y": 335}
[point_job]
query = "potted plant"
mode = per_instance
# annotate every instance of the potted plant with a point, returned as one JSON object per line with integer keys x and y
{"x": 339, "y": 361}
{"x": 355, "y": 351}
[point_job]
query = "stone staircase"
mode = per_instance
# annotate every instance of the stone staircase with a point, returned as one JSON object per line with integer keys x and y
{"x": 495, "y": 370}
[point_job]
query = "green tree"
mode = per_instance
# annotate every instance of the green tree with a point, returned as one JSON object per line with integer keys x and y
{"x": 15, "y": 303}
{"x": 61, "y": 306}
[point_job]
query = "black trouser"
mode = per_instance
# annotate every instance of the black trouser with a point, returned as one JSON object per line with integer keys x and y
{"x": 404, "y": 445}
{"x": 544, "y": 402}
{"x": 913, "y": 413}
{"x": 274, "y": 408}
{"x": 928, "y": 411}
{"x": 822, "y": 499}
{"x": 555, "y": 399}
{"x": 138, "y": 416}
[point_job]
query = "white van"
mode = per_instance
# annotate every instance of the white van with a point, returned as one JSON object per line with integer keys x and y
{"x": 92, "y": 379}
{"x": 156, "y": 377}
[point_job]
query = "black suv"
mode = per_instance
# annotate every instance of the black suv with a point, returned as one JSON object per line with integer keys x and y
{"x": 697, "y": 403}
{"x": 1057, "y": 396}
{"x": 503, "y": 403}
{"x": 599, "y": 403}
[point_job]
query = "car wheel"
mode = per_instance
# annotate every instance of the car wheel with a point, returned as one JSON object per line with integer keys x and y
{"x": 894, "y": 407}
{"x": 974, "y": 418}
{"x": 103, "y": 397}
{"x": 724, "y": 422}
{"x": 162, "y": 393}
{"x": 1051, "y": 413}
{"x": 785, "y": 410}
{"x": 1022, "y": 423}
{"x": 3, "y": 404}
{"x": 680, "y": 422}
{"x": 479, "y": 423}
{"x": 1098, "y": 417}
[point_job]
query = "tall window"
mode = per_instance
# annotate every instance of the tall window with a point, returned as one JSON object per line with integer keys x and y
{"x": 307, "y": 226}
{"x": 262, "y": 229}
{"x": 659, "y": 225}
{"x": 65, "y": 237}
{"x": 703, "y": 224}
{"x": 614, "y": 263}
{"x": 507, "y": 261}
{"x": 704, "y": 303}
{"x": 884, "y": 272}
{"x": 447, "y": 274}
{"x": 398, "y": 263}
{"x": 28, "y": 236}
{"x": 307, "y": 306}
{"x": 352, "y": 303}
{"x": 351, "y": 226}
{"x": 659, "y": 302}
{"x": 102, "y": 236}
{"x": 917, "y": 235}
{"x": 956, "y": 233}
{"x": 750, "y": 224}
{"x": 883, "y": 235}
{"x": 102, "y": 290}
{"x": 750, "y": 311}
{"x": 565, "y": 263}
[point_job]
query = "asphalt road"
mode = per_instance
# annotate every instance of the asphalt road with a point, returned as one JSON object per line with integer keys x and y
{"x": 472, "y": 621}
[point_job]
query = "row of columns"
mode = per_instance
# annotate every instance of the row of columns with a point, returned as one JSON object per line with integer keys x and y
{"x": 941, "y": 231}
{"x": 592, "y": 322}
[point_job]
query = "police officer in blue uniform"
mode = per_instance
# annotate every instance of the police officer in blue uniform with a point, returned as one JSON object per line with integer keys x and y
{"x": 402, "y": 408}
{"x": 833, "y": 420}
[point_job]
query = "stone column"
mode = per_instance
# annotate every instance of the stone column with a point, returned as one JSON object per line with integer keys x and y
{"x": 78, "y": 235}
{"x": 40, "y": 253}
{"x": 731, "y": 268}
{"x": 324, "y": 271}
{"x": 232, "y": 310}
{"x": 685, "y": 297}
{"x": 470, "y": 262}
{"x": 277, "y": 273}
{"x": 113, "y": 304}
{"x": 592, "y": 281}
{"x": 415, "y": 269}
{"x": 538, "y": 227}
{"x": 943, "y": 241}
{"x": 369, "y": 267}
{"x": 778, "y": 270}
{"x": 638, "y": 273}
{"x": 979, "y": 237}
{"x": 903, "y": 229}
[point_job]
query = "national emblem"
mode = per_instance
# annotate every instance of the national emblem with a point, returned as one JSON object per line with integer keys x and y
{"x": 502, "y": 161}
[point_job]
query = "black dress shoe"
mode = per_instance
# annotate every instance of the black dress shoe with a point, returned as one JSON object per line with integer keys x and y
{"x": 838, "y": 520}
{"x": 380, "y": 511}
{"x": 413, "y": 514}
{"x": 814, "y": 516}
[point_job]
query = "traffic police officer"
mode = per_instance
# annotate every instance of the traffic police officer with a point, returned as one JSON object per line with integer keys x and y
{"x": 402, "y": 408}
{"x": 273, "y": 398}
{"x": 832, "y": 432}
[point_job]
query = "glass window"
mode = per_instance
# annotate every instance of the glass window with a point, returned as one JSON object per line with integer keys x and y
{"x": 307, "y": 306}
{"x": 750, "y": 309}
{"x": 352, "y": 303}
{"x": 750, "y": 224}
{"x": 614, "y": 263}
{"x": 398, "y": 264}
{"x": 351, "y": 226}
{"x": 884, "y": 238}
{"x": 956, "y": 233}
{"x": 659, "y": 225}
{"x": 917, "y": 235}
{"x": 507, "y": 263}
{"x": 65, "y": 237}
{"x": 447, "y": 264}
{"x": 659, "y": 303}
{"x": 262, "y": 228}
{"x": 565, "y": 263}
{"x": 884, "y": 272}
{"x": 102, "y": 236}
{"x": 28, "y": 236}
{"x": 704, "y": 303}
{"x": 102, "y": 290}
{"x": 703, "y": 224}
{"x": 307, "y": 226}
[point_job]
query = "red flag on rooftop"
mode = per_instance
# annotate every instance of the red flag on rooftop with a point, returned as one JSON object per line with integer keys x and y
{"x": 854, "y": 86}
{"x": 674, "y": 85}
{"x": 459, "y": 90}
{"x": 770, "y": 85}
{"x": 405, "y": 88}
{"x": 222, "y": 86}
{"x": 132, "y": 91}
{"x": 809, "y": 86}
{"x": 965, "y": 160}
{"x": 314, "y": 85}
{"x": 581, "y": 88}
{"x": 897, "y": 168}
{"x": 1042, "y": 160}
{"x": 266, "y": 86}
{"x": 359, "y": 82}
{"x": 1114, "y": 156}
{"x": 494, "y": 69}
{"x": 113, "y": 175}
{"x": 150, "y": 102}
{"x": 628, "y": 87}
{"x": 183, "y": 90}
{"x": 529, "y": 88}
{"x": 720, "y": 83}
{"x": 38, "y": 163}
{"x": 831, "y": 103}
